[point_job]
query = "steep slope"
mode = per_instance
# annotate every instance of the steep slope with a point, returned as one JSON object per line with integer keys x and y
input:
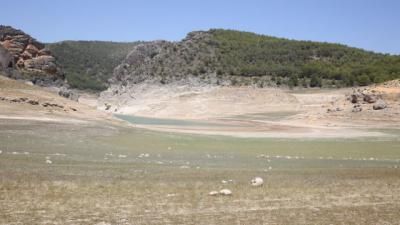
{"x": 240, "y": 58}
{"x": 6, "y": 59}
{"x": 23, "y": 57}
{"x": 89, "y": 64}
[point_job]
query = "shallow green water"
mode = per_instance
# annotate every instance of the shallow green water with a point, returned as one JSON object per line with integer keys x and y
{"x": 270, "y": 116}
{"x": 140, "y": 120}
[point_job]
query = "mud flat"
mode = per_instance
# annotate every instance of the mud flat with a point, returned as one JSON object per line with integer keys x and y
{"x": 248, "y": 126}
{"x": 255, "y": 112}
{"x": 106, "y": 174}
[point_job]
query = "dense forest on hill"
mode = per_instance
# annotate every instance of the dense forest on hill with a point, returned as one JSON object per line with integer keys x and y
{"x": 300, "y": 62}
{"x": 234, "y": 57}
{"x": 89, "y": 64}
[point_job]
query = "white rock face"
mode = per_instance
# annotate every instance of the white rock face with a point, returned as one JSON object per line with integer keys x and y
{"x": 225, "y": 192}
{"x": 257, "y": 181}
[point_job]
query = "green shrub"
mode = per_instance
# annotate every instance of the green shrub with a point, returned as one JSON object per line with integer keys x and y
{"x": 89, "y": 64}
{"x": 249, "y": 55}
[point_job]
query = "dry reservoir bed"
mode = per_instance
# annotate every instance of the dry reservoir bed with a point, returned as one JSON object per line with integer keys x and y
{"x": 53, "y": 173}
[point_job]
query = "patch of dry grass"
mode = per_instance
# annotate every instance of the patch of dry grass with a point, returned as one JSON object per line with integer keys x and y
{"x": 82, "y": 187}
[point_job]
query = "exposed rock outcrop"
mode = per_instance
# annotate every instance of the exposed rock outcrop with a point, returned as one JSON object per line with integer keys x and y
{"x": 6, "y": 60}
{"x": 189, "y": 62}
{"x": 363, "y": 96}
{"x": 167, "y": 62}
{"x": 28, "y": 57}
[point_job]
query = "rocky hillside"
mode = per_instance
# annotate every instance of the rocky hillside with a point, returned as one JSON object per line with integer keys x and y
{"x": 89, "y": 64}
{"x": 216, "y": 57}
{"x": 226, "y": 57}
{"x": 23, "y": 57}
{"x": 165, "y": 62}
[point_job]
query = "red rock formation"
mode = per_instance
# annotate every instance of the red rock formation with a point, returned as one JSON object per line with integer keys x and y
{"x": 30, "y": 57}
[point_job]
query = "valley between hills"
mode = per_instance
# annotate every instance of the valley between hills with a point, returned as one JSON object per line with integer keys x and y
{"x": 222, "y": 127}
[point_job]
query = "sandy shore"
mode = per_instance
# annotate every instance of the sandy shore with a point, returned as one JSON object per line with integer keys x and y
{"x": 233, "y": 111}
{"x": 246, "y": 111}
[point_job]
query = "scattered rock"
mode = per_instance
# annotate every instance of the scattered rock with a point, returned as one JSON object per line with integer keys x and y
{"x": 108, "y": 106}
{"x": 144, "y": 155}
{"x": 15, "y": 100}
{"x": 68, "y": 93}
{"x": 257, "y": 181}
{"x": 225, "y": 192}
{"x": 356, "y": 109}
{"x": 33, "y": 102}
{"x": 380, "y": 104}
{"x": 47, "y": 104}
{"x": 370, "y": 98}
{"x": 354, "y": 98}
{"x": 334, "y": 110}
{"x": 213, "y": 193}
{"x": 363, "y": 96}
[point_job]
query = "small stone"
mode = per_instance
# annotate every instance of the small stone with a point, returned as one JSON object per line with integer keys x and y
{"x": 213, "y": 193}
{"x": 257, "y": 181}
{"x": 380, "y": 104}
{"x": 225, "y": 192}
